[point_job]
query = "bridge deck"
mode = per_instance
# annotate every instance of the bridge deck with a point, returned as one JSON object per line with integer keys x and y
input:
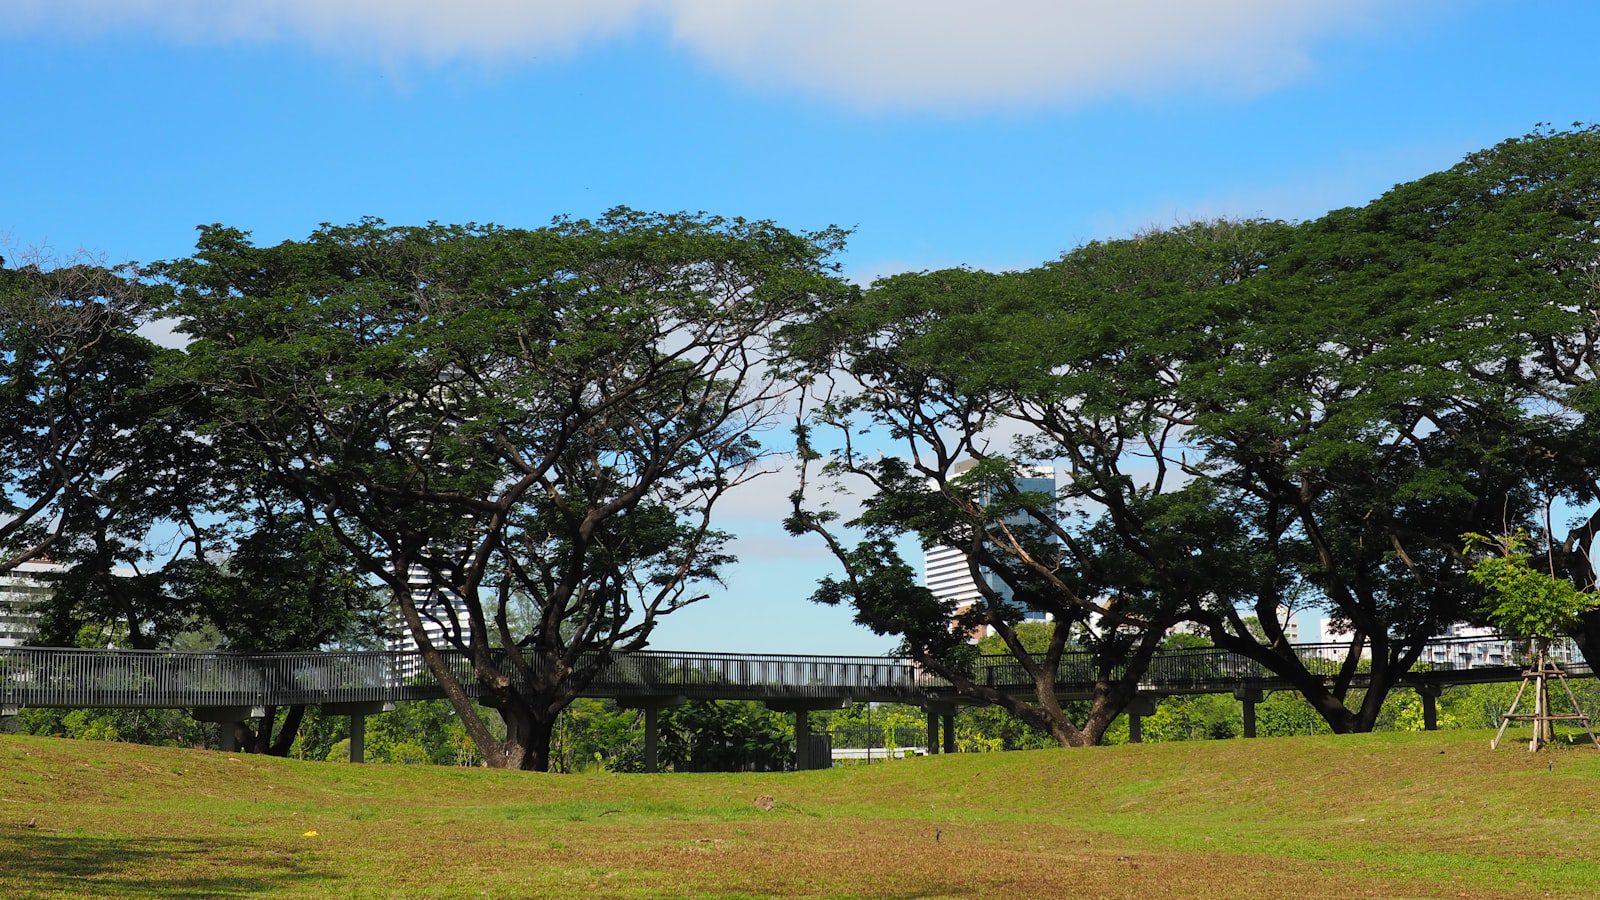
{"x": 32, "y": 676}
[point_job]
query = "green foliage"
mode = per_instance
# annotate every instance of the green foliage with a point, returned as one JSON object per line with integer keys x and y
{"x": 417, "y": 732}
{"x": 989, "y": 728}
{"x": 1196, "y": 717}
{"x": 717, "y": 736}
{"x": 1034, "y": 637}
{"x": 1481, "y": 705}
{"x": 1522, "y": 600}
{"x": 539, "y": 419}
{"x": 160, "y": 727}
{"x": 75, "y": 398}
{"x": 595, "y": 734}
{"x": 287, "y": 586}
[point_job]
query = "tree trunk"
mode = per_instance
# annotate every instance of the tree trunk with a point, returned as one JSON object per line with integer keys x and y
{"x": 527, "y": 742}
{"x": 288, "y": 731}
{"x": 1588, "y": 639}
{"x": 260, "y": 738}
{"x": 1094, "y": 727}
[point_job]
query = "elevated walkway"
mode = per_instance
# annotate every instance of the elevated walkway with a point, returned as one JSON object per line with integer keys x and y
{"x": 230, "y": 686}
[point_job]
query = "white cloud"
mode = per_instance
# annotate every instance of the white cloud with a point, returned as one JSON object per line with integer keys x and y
{"x": 918, "y": 54}
{"x": 382, "y": 30}
{"x": 943, "y": 53}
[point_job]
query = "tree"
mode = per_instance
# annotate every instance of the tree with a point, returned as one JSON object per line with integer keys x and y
{"x": 1336, "y": 403}
{"x": 285, "y": 586}
{"x": 542, "y": 418}
{"x": 1521, "y": 600}
{"x": 131, "y": 534}
{"x": 1523, "y": 218}
{"x": 72, "y": 373}
{"x": 1536, "y": 605}
{"x": 1074, "y": 360}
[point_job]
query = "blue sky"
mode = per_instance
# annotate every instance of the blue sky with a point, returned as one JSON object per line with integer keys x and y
{"x": 992, "y": 135}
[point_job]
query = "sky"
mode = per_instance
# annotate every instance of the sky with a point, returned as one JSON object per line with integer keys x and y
{"x": 993, "y": 135}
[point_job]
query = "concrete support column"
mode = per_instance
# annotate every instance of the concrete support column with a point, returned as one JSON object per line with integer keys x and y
{"x": 949, "y": 732}
{"x": 1141, "y": 706}
{"x": 1430, "y": 705}
{"x": 801, "y": 707}
{"x": 358, "y": 713}
{"x": 358, "y": 738}
{"x": 802, "y": 739}
{"x": 651, "y": 738}
{"x": 1249, "y": 698}
{"x": 933, "y": 732}
{"x": 226, "y": 717}
{"x": 652, "y": 707}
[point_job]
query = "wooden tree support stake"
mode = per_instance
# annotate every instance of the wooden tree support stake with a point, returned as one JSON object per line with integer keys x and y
{"x": 1544, "y": 670}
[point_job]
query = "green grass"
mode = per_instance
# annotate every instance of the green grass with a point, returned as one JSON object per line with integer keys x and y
{"x": 1385, "y": 815}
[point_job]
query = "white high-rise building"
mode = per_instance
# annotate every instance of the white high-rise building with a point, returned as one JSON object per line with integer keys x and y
{"x": 22, "y": 591}
{"x": 945, "y": 569}
{"x": 434, "y": 605}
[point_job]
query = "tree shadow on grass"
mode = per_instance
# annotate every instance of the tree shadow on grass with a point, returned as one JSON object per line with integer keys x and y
{"x": 49, "y": 863}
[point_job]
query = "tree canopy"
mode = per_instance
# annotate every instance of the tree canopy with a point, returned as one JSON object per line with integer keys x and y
{"x": 538, "y": 419}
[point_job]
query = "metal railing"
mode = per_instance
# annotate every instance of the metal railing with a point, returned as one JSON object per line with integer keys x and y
{"x": 40, "y": 676}
{"x": 1203, "y": 669}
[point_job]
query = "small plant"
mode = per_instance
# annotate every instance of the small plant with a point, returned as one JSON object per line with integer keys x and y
{"x": 1525, "y": 602}
{"x": 1521, "y": 600}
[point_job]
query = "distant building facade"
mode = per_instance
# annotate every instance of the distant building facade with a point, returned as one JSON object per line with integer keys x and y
{"x": 1459, "y": 646}
{"x": 435, "y": 607}
{"x": 946, "y": 573}
{"x": 23, "y": 591}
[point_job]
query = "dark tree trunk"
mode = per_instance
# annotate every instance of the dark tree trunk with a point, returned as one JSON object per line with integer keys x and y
{"x": 527, "y": 743}
{"x": 288, "y": 731}
{"x": 260, "y": 738}
{"x": 1588, "y": 639}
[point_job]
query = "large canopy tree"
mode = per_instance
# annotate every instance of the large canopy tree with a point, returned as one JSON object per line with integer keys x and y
{"x": 1339, "y": 423}
{"x": 73, "y": 373}
{"x": 1410, "y": 370}
{"x": 1513, "y": 232}
{"x": 979, "y": 381}
{"x": 165, "y": 537}
{"x": 520, "y": 433}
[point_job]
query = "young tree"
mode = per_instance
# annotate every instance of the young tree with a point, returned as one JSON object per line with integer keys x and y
{"x": 542, "y": 418}
{"x": 1528, "y": 603}
{"x": 1519, "y": 599}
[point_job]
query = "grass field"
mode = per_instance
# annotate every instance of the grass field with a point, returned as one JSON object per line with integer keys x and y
{"x": 1390, "y": 815}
